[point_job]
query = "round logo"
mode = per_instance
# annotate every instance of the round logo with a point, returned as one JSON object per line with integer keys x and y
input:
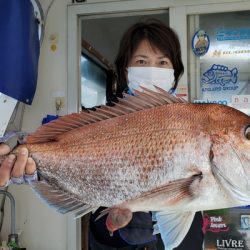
{"x": 200, "y": 43}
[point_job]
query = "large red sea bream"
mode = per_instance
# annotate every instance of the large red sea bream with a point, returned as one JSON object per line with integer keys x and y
{"x": 151, "y": 152}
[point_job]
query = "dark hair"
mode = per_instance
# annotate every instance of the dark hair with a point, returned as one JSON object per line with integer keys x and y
{"x": 159, "y": 36}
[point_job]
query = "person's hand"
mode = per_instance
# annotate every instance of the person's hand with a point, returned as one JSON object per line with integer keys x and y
{"x": 17, "y": 170}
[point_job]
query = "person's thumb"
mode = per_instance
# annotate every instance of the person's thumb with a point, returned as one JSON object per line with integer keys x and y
{"x": 4, "y": 149}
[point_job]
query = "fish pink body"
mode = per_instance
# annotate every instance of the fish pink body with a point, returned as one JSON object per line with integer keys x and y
{"x": 118, "y": 159}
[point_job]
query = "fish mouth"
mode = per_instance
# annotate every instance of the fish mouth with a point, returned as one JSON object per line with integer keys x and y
{"x": 205, "y": 79}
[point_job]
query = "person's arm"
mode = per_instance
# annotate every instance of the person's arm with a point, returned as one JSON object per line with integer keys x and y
{"x": 16, "y": 167}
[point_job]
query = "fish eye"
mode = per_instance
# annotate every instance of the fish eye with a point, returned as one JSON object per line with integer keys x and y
{"x": 247, "y": 133}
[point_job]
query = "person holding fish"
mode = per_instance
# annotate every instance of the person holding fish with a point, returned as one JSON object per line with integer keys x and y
{"x": 149, "y": 56}
{"x": 16, "y": 169}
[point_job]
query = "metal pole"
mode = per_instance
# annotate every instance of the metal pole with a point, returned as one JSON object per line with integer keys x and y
{"x": 12, "y": 203}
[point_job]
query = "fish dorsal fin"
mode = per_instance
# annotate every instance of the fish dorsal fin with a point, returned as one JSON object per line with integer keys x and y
{"x": 173, "y": 227}
{"x": 143, "y": 100}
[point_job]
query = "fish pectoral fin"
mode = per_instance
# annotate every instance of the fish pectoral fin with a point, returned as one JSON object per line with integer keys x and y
{"x": 175, "y": 192}
{"x": 60, "y": 200}
{"x": 173, "y": 226}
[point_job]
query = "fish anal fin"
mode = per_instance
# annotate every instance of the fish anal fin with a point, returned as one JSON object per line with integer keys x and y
{"x": 60, "y": 200}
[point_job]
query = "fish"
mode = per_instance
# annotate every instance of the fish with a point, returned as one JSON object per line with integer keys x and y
{"x": 150, "y": 152}
{"x": 220, "y": 74}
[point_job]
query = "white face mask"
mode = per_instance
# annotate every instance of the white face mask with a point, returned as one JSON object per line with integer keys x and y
{"x": 150, "y": 76}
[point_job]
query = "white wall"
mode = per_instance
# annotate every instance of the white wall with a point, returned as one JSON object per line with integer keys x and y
{"x": 52, "y": 74}
{"x": 41, "y": 226}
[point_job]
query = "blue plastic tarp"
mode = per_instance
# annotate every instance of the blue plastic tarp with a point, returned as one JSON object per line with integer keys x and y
{"x": 19, "y": 49}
